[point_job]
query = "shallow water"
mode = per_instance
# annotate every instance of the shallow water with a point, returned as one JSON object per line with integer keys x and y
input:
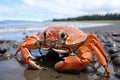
{"x": 11, "y": 69}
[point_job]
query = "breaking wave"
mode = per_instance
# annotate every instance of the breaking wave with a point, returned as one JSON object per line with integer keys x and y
{"x": 6, "y": 30}
{"x": 21, "y": 27}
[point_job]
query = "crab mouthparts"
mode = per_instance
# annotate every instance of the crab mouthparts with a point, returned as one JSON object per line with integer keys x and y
{"x": 59, "y": 50}
{"x": 52, "y": 44}
{"x": 56, "y": 50}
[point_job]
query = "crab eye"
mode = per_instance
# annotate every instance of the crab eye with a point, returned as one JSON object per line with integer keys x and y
{"x": 63, "y": 35}
{"x": 44, "y": 34}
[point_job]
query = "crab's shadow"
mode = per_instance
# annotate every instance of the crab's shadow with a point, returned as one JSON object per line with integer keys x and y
{"x": 48, "y": 60}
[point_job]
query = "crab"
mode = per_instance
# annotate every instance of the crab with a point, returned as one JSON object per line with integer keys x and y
{"x": 65, "y": 40}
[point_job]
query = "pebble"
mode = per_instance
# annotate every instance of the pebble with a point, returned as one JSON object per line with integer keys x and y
{"x": 6, "y": 56}
{"x": 90, "y": 69}
{"x": 15, "y": 45}
{"x": 2, "y": 51}
{"x": 113, "y": 50}
{"x": 5, "y": 46}
{"x": 116, "y": 39}
{"x": 113, "y": 56}
{"x": 116, "y": 61}
{"x": 117, "y": 75}
{"x": 115, "y": 34}
{"x": 108, "y": 43}
{"x": 2, "y": 41}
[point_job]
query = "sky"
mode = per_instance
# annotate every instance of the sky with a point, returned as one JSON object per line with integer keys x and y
{"x": 40, "y": 10}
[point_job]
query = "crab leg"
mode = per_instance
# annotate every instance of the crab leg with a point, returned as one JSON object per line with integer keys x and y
{"x": 101, "y": 60}
{"x": 75, "y": 63}
{"x": 98, "y": 44}
{"x": 95, "y": 45}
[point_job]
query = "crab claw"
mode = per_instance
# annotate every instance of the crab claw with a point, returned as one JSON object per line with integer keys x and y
{"x": 28, "y": 59}
{"x": 32, "y": 64}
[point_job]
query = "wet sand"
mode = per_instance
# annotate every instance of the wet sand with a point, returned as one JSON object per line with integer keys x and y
{"x": 11, "y": 69}
{"x": 115, "y": 27}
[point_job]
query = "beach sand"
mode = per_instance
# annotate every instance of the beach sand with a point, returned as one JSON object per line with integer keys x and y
{"x": 11, "y": 69}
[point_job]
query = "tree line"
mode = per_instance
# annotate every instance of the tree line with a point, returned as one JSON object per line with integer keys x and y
{"x": 109, "y": 16}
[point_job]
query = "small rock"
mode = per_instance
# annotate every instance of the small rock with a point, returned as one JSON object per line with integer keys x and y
{"x": 116, "y": 61}
{"x": 6, "y": 56}
{"x": 116, "y": 39}
{"x": 2, "y": 50}
{"x": 2, "y": 41}
{"x": 113, "y": 50}
{"x": 90, "y": 69}
{"x": 15, "y": 45}
{"x": 115, "y": 34}
{"x": 4, "y": 47}
{"x": 109, "y": 43}
{"x": 117, "y": 75}
{"x": 113, "y": 56}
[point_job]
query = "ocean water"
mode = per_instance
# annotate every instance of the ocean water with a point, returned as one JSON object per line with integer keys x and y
{"x": 17, "y": 30}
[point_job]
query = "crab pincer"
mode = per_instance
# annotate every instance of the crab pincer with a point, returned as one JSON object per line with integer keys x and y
{"x": 26, "y": 56}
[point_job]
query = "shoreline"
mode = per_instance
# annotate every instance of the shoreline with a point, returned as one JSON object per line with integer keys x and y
{"x": 115, "y": 27}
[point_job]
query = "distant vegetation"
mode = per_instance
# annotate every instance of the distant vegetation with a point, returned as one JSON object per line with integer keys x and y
{"x": 109, "y": 16}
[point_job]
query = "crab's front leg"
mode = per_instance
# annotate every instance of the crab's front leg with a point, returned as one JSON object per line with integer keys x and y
{"x": 29, "y": 44}
{"x": 75, "y": 63}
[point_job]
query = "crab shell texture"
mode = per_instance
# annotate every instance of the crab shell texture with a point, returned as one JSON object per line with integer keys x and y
{"x": 74, "y": 35}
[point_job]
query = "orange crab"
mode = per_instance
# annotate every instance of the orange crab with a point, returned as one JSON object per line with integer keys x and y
{"x": 65, "y": 40}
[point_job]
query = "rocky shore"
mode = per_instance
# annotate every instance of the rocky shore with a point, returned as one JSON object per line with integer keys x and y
{"x": 108, "y": 35}
{"x": 110, "y": 38}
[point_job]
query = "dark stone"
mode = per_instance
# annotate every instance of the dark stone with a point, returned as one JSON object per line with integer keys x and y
{"x": 109, "y": 43}
{"x": 2, "y": 41}
{"x": 113, "y": 56}
{"x": 6, "y": 56}
{"x": 116, "y": 61}
{"x": 115, "y": 34}
{"x": 117, "y": 75}
{"x": 15, "y": 44}
{"x": 113, "y": 50}
{"x": 11, "y": 42}
{"x": 89, "y": 69}
{"x": 4, "y": 47}
{"x": 116, "y": 39}
{"x": 2, "y": 51}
